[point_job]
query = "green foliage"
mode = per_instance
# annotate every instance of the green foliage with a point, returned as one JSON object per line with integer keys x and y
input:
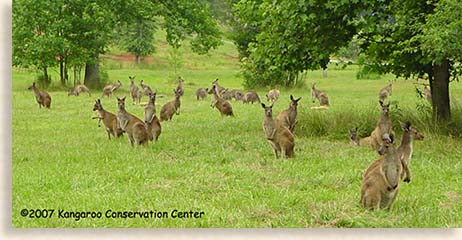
{"x": 137, "y": 37}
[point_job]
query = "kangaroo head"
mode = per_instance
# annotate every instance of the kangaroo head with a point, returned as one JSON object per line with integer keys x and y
{"x": 387, "y": 144}
{"x": 354, "y": 134}
{"x": 414, "y": 133}
{"x": 97, "y": 105}
{"x": 31, "y": 87}
{"x": 294, "y": 102}
{"x": 385, "y": 107}
{"x": 268, "y": 110}
{"x": 177, "y": 94}
{"x": 152, "y": 97}
{"x": 121, "y": 103}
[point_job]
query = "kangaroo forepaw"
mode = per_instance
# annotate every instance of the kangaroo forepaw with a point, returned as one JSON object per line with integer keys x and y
{"x": 408, "y": 180}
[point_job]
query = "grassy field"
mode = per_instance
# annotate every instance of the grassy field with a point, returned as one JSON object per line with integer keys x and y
{"x": 224, "y": 166}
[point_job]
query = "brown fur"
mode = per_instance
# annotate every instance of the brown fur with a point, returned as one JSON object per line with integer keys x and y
{"x": 251, "y": 97}
{"x": 127, "y": 122}
{"x": 180, "y": 87}
{"x": 381, "y": 180}
{"x": 319, "y": 95}
{"x": 42, "y": 97}
{"x": 273, "y": 95}
{"x": 109, "y": 120}
{"x": 384, "y": 125}
{"x": 135, "y": 92}
{"x": 78, "y": 89}
{"x": 288, "y": 117}
{"x": 151, "y": 119}
{"x": 147, "y": 89}
{"x": 109, "y": 89}
{"x": 405, "y": 149}
{"x": 201, "y": 93}
{"x": 355, "y": 140}
{"x": 170, "y": 108}
{"x": 385, "y": 92}
{"x": 222, "y": 105}
{"x": 218, "y": 88}
{"x": 279, "y": 137}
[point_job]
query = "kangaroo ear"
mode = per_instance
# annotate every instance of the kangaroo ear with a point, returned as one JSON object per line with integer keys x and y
{"x": 263, "y": 105}
{"x": 123, "y": 99}
{"x": 291, "y": 98}
{"x": 381, "y": 102}
{"x": 207, "y": 89}
{"x": 298, "y": 99}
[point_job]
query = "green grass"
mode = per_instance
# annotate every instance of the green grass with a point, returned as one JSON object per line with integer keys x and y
{"x": 224, "y": 166}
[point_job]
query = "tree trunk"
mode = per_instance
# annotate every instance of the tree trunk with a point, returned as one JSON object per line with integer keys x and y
{"x": 137, "y": 59}
{"x": 92, "y": 75}
{"x": 440, "y": 91}
{"x": 61, "y": 71}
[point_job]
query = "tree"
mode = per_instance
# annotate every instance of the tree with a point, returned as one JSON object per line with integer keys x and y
{"x": 415, "y": 38}
{"x": 138, "y": 38}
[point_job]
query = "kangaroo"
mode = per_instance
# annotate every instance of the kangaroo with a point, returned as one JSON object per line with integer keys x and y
{"x": 381, "y": 181}
{"x": 279, "y": 137}
{"x": 219, "y": 88}
{"x": 251, "y": 97}
{"x": 320, "y": 96}
{"x": 180, "y": 87}
{"x": 147, "y": 89}
{"x": 170, "y": 108}
{"x": 222, "y": 105}
{"x": 201, "y": 93}
{"x": 385, "y": 92}
{"x": 238, "y": 95}
{"x": 127, "y": 123}
{"x": 288, "y": 117}
{"x": 405, "y": 149}
{"x": 109, "y": 89}
{"x": 355, "y": 140}
{"x": 151, "y": 119}
{"x": 273, "y": 95}
{"x": 78, "y": 89}
{"x": 135, "y": 92}
{"x": 42, "y": 97}
{"x": 384, "y": 125}
{"x": 428, "y": 93}
{"x": 109, "y": 120}
{"x": 227, "y": 94}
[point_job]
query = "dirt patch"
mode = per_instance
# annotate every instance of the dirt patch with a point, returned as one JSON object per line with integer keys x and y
{"x": 128, "y": 58}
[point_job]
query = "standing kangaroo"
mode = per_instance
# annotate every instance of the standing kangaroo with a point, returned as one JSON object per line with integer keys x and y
{"x": 222, "y": 105}
{"x": 147, "y": 89}
{"x": 109, "y": 89}
{"x": 385, "y": 92}
{"x": 180, "y": 87}
{"x": 109, "y": 120}
{"x": 43, "y": 98}
{"x": 219, "y": 89}
{"x": 320, "y": 96}
{"x": 131, "y": 124}
{"x": 380, "y": 184}
{"x": 288, "y": 117}
{"x": 135, "y": 92}
{"x": 78, "y": 89}
{"x": 170, "y": 108}
{"x": 279, "y": 137}
{"x": 405, "y": 149}
{"x": 384, "y": 125}
{"x": 151, "y": 119}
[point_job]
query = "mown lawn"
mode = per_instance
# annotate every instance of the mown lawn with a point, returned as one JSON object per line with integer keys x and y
{"x": 224, "y": 166}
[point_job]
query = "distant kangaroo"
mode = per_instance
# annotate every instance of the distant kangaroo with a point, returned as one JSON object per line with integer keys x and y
{"x": 251, "y": 97}
{"x": 288, "y": 117}
{"x": 170, "y": 108}
{"x": 320, "y": 96}
{"x": 78, "y": 89}
{"x": 279, "y": 137}
{"x": 355, "y": 140}
{"x": 151, "y": 119}
{"x": 43, "y": 98}
{"x": 381, "y": 180}
{"x": 135, "y": 92}
{"x": 273, "y": 95}
{"x": 405, "y": 149}
{"x": 109, "y": 89}
{"x": 428, "y": 93}
{"x": 222, "y": 105}
{"x": 384, "y": 125}
{"x": 201, "y": 93}
{"x": 131, "y": 124}
{"x": 385, "y": 92}
{"x": 180, "y": 87}
{"x": 146, "y": 88}
{"x": 109, "y": 120}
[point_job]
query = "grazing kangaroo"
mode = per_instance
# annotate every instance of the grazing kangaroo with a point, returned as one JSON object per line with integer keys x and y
{"x": 135, "y": 92}
{"x": 43, "y": 98}
{"x": 109, "y": 89}
{"x": 384, "y": 125}
{"x": 151, "y": 119}
{"x": 227, "y": 94}
{"x": 385, "y": 92}
{"x": 405, "y": 149}
{"x": 251, "y": 97}
{"x": 201, "y": 93}
{"x": 355, "y": 140}
{"x": 109, "y": 120}
{"x": 78, "y": 89}
{"x": 130, "y": 124}
{"x": 238, "y": 95}
{"x": 288, "y": 117}
{"x": 273, "y": 95}
{"x": 180, "y": 87}
{"x": 222, "y": 105}
{"x": 279, "y": 137}
{"x": 147, "y": 89}
{"x": 428, "y": 93}
{"x": 381, "y": 180}
{"x": 170, "y": 108}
